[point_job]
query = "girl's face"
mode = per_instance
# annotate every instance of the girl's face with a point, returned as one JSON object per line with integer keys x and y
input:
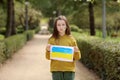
{"x": 61, "y": 26}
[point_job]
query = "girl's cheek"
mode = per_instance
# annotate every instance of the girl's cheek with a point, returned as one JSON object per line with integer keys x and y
{"x": 64, "y": 27}
{"x": 58, "y": 28}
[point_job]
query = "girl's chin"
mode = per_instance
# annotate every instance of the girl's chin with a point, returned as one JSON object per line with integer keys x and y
{"x": 62, "y": 32}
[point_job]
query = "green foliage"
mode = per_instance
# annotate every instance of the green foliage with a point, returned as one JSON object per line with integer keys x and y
{"x": 20, "y": 29}
{"x": 29, "y": 34}
{"x": 33, "y": 16}
{"x": 2, "y": 37}
{"x": 10, "y": 45}
{"x": 100, "y": 55}
{"x": 40, "y": 4}
{"x": 19, "y": 9}
{"x": 21, "y": 1}
{"x": 98, "y": 33}
{"x": 13, "y": 43}
{"x": 76, "y": 34}
{"x": 37, "y": 29}
{"x": 2, "y": 30}
{"x": 2, "y": 49}
{"x": 3, "y": 17}
{"x": 75, "y": 28}
{"x": 77, "y": 13}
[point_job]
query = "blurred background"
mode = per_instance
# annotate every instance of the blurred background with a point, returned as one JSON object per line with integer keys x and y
{"x": 94, "y": 23}
{"x": 90, "y": 16}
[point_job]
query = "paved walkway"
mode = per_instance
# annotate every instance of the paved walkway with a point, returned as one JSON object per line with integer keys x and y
{"x": 29, "y": 63}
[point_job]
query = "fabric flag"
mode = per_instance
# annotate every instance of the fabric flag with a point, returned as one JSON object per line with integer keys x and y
{"x": 62, "y": 53}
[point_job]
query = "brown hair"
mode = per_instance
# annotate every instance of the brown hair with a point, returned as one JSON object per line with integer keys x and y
{"x": 55, "y": 31}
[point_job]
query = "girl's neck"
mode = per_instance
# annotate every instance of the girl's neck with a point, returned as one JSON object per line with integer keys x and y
{"x": 61, "y": 34}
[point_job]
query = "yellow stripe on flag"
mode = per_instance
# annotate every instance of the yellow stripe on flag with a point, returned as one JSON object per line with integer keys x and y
{"x": 61, "y": 55}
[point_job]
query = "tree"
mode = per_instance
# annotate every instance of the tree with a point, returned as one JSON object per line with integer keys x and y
{"x": 10, "y": 26}
{"x": 13, "y": 20}
{"x": 91, "y": 19}
{"x": 1, "y": 1}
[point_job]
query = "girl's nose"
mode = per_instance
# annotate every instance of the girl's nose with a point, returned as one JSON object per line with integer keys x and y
{"x": 61, "y": 26}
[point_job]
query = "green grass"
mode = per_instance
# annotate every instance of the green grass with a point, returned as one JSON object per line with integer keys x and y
{"x": 44, "y": 20}
{"x": 108, "y": 38}
{"x": 76, "y": 34}
{"x": 2, "y": 37}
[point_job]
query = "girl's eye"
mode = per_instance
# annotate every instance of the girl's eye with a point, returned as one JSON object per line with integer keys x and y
{"x": 58, "y": 24}
{"x": 63, "y": 24}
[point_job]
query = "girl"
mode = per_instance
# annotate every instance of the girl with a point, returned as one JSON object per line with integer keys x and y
{"x": 62, "y": 70}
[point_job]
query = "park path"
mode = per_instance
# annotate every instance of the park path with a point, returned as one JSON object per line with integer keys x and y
{"x": 29, "y": 63}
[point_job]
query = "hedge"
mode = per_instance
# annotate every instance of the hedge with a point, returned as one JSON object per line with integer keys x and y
{"x": 14, "y": 43}
{"x": 75, "y": 28}
{"x": 2, "y": 37}
{"x": 37, "y": 29}
{"x": 103, "y": 56}
{"x": 10, "y": 45}
{"x": 29, "y": 34}
{"x": 2, "y": 49}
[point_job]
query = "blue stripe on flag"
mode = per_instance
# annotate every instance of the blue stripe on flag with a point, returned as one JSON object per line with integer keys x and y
{"x": 62, "y": 50}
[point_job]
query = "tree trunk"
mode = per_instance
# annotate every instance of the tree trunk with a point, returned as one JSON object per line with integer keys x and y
{"x": 91, "y": 19}
{"x": 10, "y": 26}
{"x": 58, "y": 12}
{"x": 13, "y": 20}
{"x": 9, "y": 18}
{"x": 26, "y": 16}
{"x": 1, "y": 2}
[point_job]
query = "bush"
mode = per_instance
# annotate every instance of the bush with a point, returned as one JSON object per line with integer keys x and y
{"x": 37, "y": 29}
{"x": 2, "y": 37}
{"x": 13, "y": 43}
{"x": 29, "y": 34}
{"x": 10, "y": 45}
{"x": 2, "y": 30}
{"x": 2, "y": 49}
{"x": 20, "y": 29}
{"x": 103, "y": 56}
{"x": 75, "y": 28}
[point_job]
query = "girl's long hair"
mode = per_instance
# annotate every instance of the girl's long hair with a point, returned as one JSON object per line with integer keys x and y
{"x": 55, "y": 31}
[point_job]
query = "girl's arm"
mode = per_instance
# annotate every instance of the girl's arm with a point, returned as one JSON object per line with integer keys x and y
{"x": 48, "y": 52}
{"x": 77, "y": 54}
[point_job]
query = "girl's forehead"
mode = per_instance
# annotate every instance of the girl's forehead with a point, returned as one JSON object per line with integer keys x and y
{"x": 60, "y": 21}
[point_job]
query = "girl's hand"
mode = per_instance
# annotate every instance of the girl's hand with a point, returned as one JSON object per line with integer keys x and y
{"x": 48, "y": 47}
{"x": 76, "y": 49}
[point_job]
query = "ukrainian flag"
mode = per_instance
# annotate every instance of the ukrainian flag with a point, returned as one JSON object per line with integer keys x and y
{"x": 63, "y": 53}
